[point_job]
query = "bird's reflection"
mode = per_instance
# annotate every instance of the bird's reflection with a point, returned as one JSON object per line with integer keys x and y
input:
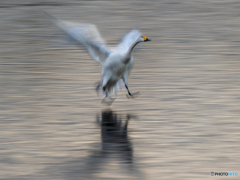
{"x": 116, "y": 146}
{"x": 114, "y": 135}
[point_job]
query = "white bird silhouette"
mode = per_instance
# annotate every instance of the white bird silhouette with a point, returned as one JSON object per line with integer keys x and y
{"x": 116, "y": 64}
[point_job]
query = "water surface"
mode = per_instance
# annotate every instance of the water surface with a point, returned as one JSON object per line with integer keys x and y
{"x": 184, "y": 124}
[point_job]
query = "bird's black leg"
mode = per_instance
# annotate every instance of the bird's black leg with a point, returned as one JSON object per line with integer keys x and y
{"x": 128, "y": 90}
{"x": 130, "y": 94}
{"x": 98, "y": 86}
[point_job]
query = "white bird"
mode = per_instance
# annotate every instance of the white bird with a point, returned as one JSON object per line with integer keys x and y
{"x": 116, "y": 64}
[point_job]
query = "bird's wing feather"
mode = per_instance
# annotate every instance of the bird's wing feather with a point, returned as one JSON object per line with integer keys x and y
{"x": 128, "y": 40}
{"x": 88, "y": 35}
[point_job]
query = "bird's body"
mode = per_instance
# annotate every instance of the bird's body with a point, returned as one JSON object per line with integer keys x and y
{"x": 116, "y": 64}
{"x": 114, "y": 69}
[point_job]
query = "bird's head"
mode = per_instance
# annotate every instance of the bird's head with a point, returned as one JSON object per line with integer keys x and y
{"x": 144, "y": 38}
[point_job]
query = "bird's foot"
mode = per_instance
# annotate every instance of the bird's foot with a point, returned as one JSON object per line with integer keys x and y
{"x": 133, "y": 95}
{"x": 108, "y": 102}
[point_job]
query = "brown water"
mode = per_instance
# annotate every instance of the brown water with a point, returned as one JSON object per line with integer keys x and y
{"x": 184, "y": 125}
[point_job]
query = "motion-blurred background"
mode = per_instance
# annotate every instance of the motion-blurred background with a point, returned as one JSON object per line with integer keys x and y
{"x": 184, "y": 125}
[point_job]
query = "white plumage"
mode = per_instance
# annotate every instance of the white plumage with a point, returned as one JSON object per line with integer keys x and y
{"x": 116, "y": 64}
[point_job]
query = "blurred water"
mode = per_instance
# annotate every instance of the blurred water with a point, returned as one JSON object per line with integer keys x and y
{"x": 184, "y": 125}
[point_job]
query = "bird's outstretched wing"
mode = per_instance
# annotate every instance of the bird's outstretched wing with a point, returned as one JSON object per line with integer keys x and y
{"x": 88, "y": 35}
{"x": 128, "y": 40}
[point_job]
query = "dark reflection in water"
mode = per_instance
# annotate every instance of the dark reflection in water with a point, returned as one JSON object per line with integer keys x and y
{"x": 116, "y": 146}
{"x": 114, "y": 135}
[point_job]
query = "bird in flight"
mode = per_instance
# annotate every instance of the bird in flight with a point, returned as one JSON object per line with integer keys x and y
{"x": 116, "y": 63}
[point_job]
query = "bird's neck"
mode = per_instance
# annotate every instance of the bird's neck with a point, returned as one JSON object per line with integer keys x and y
{"x": 132, "y": 47}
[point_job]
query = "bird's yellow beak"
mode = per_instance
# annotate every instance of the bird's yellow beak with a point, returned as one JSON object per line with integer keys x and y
{"x": 146, "y": 39}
